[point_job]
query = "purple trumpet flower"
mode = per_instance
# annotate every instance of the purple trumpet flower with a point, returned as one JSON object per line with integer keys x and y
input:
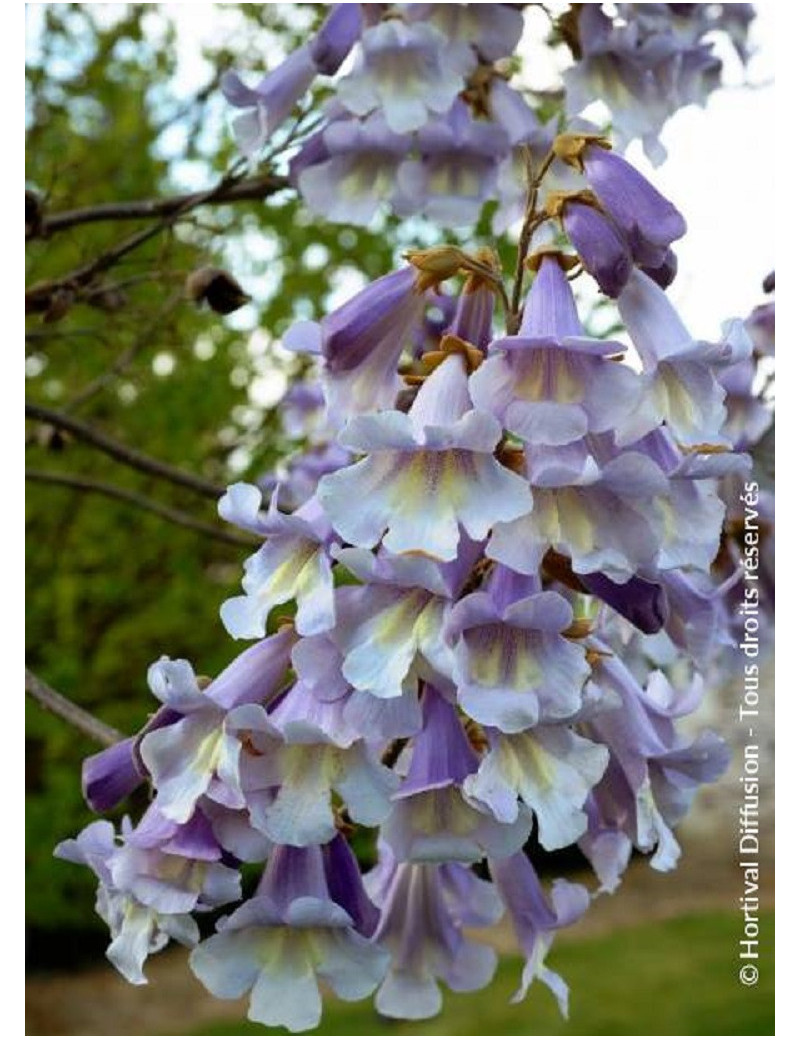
{"x": 432, "y": 820}
{"x": 604, "y": 252}
{"x": 536, "y": 919}
{"x": 424, "y": 909}
{"x": 550, "y": 768}
{"x": 457, "y": 168}
{"x": 681, "y": 388}
{"x": 389, "y": 628}
{"x": 342, "y": 712}
{"x": 653, "y": 772}
{"x": 650, "y": 222}
{"x": 269, "y": 104}
{"x": 351, "y": 169}
{"x": 551, "y": 384}
{"x": 426, "y": 474}
{"x": 173, "y": 868}
{"x": 292, "y": 564}
{"x": 111, "y": 775}
{"x": 136, "y": 930}
{"x": 293, "y": 765}
{"x": 199, "y": 753}
{"x": 337, "y": 37}
{"x": 512, "y": 667}
{"x": 296, "y": 929}
{"x": 361, "y": 343}
{"x": 406, "y": 71}
{"x": 493, "y": 30}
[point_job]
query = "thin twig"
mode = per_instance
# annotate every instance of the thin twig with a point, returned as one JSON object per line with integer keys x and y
{"x": 252, "y": 189}
{"x": 531, "y": 222}
{"x": 40, "y": 297}
{"x": 126, "y": 358}
{"x": 59, "y": 705}
{"x": 122, "y": 453}
{"x": 175, "y": 516}
{"x": 50, "y": 332}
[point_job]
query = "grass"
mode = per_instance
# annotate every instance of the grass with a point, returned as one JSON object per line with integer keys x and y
{"x": 677, "y": 977}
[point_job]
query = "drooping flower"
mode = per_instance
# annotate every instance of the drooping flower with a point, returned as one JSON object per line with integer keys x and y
{"x": 456, "y": 170}
{"x": 199, "y": 752}
{"x": 408, "y": 72}
{"x": 551, "y": 384}
{"x": 353, "y": 170}
{"x": 653, "y": 772}
{"x": 645, "y": 63}
{"x": 294, "y": 763}
{"x": 431, "y": 819}
{"x": 426, "y": 475}
{"x": 536, "y": 919}
{"x": 513, "y": 668}
{"x": 681, "y": 388}
{"x": 136, "y": 930}
{"x": 362, "y": 341}
{"x": 493, "y": 30}
{"x": 298, "y": 928}
{"x": 603, "y": 251}
{"x": 293, "y": 564}
{"x": 389, "y": 628}
{"x": 267, "y": 106}
{"x": 424, "y": 908}
{"x": 551, "y": 768}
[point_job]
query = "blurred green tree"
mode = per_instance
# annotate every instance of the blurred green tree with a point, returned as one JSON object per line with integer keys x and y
{"x": 123, "y": 110}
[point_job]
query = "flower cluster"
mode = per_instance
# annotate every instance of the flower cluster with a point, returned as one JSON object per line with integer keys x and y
{"x": 427, "y": 120}
{"x": 436, "y": 659}
{"x": 646, "y": 61}
{"x": 422, "y": 121}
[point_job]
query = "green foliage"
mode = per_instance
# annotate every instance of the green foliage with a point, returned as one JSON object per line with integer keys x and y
{"x": 673, "y": 978}
{"x": 118, "y": 112}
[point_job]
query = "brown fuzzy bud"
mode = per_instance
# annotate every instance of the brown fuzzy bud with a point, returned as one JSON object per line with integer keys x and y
{"x": 569, "y": 148}
{"x": 451, "y": 344}
{"x": 217, "y": 288}
{"x": 566, "y": 260}
{"x": 557, "y": 201}
{"x": 436, "y": 265}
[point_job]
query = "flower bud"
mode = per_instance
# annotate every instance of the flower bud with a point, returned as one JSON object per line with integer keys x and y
{"x": 217, "y": 288}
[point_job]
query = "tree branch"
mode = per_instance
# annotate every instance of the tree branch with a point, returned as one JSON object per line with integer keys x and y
{"x": 252, "y": 189}
{"x": 41, "y": 297}
{"x": 126, "y": 358}
{"x": 175, "y": 516}
{"x": 130, "y": 457}
{"x": 71, "y": 713}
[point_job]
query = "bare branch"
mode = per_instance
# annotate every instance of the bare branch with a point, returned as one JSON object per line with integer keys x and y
{"x": 59, "y": 705}
{"x": 41, "y": 298}
{"x": 126, "y": 358}
{"x": 129, "y": 456}
{"x": 175, "y": 516}
{"x": 252, "y": 189}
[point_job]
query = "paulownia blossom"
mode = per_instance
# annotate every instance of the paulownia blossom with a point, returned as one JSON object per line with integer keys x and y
{"x": 499, "y": 541}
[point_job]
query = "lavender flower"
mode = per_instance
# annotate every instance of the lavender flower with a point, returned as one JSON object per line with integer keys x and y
{"x": 293, "y": 931}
